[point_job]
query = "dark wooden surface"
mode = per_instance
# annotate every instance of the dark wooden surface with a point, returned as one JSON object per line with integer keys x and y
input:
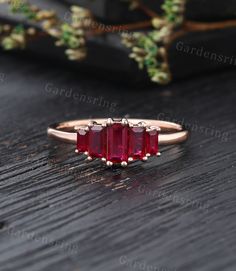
{"x": 59, "y": 213}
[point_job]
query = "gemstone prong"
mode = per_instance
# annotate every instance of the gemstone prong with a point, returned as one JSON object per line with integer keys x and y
{"x": 89, "y": 158}
{"x": 104, "y": 159}
{"x": 145, "y": 158}
{"x": 90, "y": 124}
{"x": 109, "y": 121}
{"x": 81, "y": 128}
{"x": 86, "y": 153}
{"x": 131, "y": 125}
{"x": 109, "y": 163}
{"x": 76, "y": 128}
{"x": 142, "y": 124}
{"x": 130, "y": 159}
{"x": 124, "y": 164}
{"x": 158, "y": 154}
{"x": 154, "y": 128}
{"x": 148, "y": 154}
{"x": 124, "y": 122}
{"x": 76, "y": 151}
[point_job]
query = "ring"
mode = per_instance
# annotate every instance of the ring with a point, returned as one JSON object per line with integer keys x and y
{"x": 118, "y": 141}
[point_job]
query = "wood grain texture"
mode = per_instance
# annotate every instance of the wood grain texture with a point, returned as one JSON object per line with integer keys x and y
{"x": 59, "y": 213}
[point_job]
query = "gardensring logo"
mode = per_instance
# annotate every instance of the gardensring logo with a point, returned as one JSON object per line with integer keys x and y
{"x": 32, "y": 236}
{"x": 195, "y": 127}
{"x": 202, "y": 52}
{"x": 98, "y": 26}
{"x": 53, "y": 90}
{"x": 141, "y": 265}
{"x": 174, "y": 197}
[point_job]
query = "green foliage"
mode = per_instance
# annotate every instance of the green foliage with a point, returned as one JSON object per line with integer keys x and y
{"x": 72, "y": 35}
{"x": 173, "y": 11}
{"x": 149, "y": 55}
{"x": 24, "y": 9}
{"x": 74, "y": 40}
{"x": 15, "y": 39}
{"x": 147, "y": 49}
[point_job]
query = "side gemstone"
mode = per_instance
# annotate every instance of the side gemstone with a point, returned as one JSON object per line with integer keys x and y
{"x": 97, "y": 141}
{"x": 82, "y": 140}
{"x": 137, "y": 142}
{"x": 152, "y": 142}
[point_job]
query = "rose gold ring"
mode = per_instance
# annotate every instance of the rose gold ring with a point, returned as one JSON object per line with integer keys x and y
{"x": 118, "y": 141}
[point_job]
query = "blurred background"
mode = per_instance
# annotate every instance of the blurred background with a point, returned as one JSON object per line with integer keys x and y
{"x": 178, "y": 38}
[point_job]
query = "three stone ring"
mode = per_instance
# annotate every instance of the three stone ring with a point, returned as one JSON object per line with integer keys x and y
{"x": 118, "y": 141}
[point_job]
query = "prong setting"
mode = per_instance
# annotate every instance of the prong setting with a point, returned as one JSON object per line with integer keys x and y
{"x": 154, "y": 128}
{"x": 81, "y": 128}
{"x": 133, "y": 141}
{"x": 91, "y": 124}
{"x": 124, "y": 122}
{"x": 109, "y": 163}
{"x": 142, "y": 124}
{"x": 124, "y": 164}
{"x": 110, "y": 121}
{"x": 151, "y": 128}
{"x": 145, "y": 158}
{"x": 131, "y": 125}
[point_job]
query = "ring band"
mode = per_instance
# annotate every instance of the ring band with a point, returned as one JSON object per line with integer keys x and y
{"x": 118, "y": 141}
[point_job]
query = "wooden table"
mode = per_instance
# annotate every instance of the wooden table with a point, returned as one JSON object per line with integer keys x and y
{"x": 57, "y": 212}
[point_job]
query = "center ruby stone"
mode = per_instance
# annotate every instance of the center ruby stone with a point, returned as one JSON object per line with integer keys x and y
{"x": 117, "y": 143}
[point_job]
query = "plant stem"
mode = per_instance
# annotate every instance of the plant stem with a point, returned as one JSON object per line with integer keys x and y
{"x": 207, "y": 26}
{"x": 101, "y": 29}
{"x": 188, "y": 26}
{"x": 192, "y": 26}
{"x": 147, "y": 10}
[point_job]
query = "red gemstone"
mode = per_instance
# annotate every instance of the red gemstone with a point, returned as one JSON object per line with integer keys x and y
{"x": 152, "y": 142}
{"x": 136, "y": 142}
{"x": 117, "y": 143}
{"x": 82, "y": 141}
{"x": 97, "y": 141}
